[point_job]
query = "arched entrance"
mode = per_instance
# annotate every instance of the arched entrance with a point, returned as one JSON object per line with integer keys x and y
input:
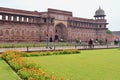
{"x": 60, "y": 32}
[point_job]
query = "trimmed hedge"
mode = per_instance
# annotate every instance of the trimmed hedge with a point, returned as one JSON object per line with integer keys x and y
{"x": 51, "y": 53}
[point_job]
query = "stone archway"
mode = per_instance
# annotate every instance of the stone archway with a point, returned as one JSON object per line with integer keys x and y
{"x": 60, "y": 32}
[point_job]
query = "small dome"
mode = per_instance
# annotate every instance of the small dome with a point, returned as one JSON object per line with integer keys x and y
{"x": 100, "y": 12}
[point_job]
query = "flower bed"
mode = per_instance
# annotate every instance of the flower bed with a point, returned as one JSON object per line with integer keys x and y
{"x": 25, "y": 69}
{"x": 30, "y": 70}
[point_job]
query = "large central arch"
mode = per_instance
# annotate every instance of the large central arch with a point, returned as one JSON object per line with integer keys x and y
{"x": 60, "y": 32}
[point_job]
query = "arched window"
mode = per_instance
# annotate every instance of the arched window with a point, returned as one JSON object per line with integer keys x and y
{"x": 22, "y": 19}
{"x": 6, "y": 17}
{"x": 17, "y": 18}
{"x": 27, "y": 19}
{"x": 45, "y": 20}
{"x": 11, "y": 18}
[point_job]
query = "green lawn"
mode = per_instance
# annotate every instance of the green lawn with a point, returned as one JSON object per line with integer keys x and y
{"x": 6, "y": 73}
{"x": 89, "y": 65}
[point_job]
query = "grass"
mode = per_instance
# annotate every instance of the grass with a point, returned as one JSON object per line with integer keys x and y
{"x": 6, "y": 73}
{"x": 89, "y": 65}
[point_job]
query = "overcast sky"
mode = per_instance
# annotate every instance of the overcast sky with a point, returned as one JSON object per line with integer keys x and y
{"x": 80, "y": 8}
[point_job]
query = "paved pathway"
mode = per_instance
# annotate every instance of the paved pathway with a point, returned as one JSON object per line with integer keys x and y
{"x": 56, "y": 48}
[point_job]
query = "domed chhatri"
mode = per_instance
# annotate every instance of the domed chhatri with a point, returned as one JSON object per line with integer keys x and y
{"x": 100, "y": 14}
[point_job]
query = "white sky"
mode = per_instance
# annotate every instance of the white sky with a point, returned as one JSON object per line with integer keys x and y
{"x": 80, "y": 8}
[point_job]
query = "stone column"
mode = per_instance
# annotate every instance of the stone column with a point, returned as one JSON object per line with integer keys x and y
{"x": 34, "y": 20}
{"x": 38, "y": 20}
{"x": 47, "y": 20}
{"x": 14, "y": 18}
{"x": 20, "y": 18}
{"x": 3, "y": 17}
{"x": 25, "y": 19}
{"x": 29, "y": 19}
{"x": 9, "y": 17}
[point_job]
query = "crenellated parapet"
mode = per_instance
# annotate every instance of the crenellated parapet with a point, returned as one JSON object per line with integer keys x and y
{"x": 87, "y": 23}
{"x": 22, "y": 16}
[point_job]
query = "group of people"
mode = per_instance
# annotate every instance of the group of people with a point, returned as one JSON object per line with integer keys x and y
{"x": 49, "y": 40}
{"x": 90, "y": 42}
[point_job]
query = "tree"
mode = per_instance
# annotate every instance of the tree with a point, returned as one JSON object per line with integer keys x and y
{"x": 109, "y": 32}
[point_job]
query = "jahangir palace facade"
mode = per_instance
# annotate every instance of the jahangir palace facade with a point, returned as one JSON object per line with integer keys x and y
{"x": 33, "y": 26}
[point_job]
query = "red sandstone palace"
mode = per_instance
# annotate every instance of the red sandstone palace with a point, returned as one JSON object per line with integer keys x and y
{"x": 33, "y": 26}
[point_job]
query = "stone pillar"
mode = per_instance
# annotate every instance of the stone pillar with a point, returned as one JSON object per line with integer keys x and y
{"x": 14, "y": 18}
{"x": 34, "y": 20}
{"x": 25, "y": 19}
{"x": 38, "y": 20}
{"x": 3, "y": 17}
{"x": 9, "y": 17}
{"x": 29, "y": 19}
{"x": 20, "y": 18}
{"x": 46, "y": 20}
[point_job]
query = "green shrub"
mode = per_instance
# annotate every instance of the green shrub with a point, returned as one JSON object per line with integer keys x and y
{"x": 75, "y": 51}
{"x": 56, "y": 53}
{"x": 50, "y": 53}
{"x": 66, "y": 52}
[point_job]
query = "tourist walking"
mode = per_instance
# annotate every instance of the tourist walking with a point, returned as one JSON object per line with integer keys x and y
{"x": 51, "y": 42}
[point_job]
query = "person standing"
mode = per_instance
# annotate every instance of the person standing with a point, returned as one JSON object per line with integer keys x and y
{"x": 51, "y": 42}
{"x": 90, "y": 43}
{"x": 106, "y": 41}
{"x": 56, "y": 38}
{"x": 80, "y": 41}
{"x": 46, "y": 41}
